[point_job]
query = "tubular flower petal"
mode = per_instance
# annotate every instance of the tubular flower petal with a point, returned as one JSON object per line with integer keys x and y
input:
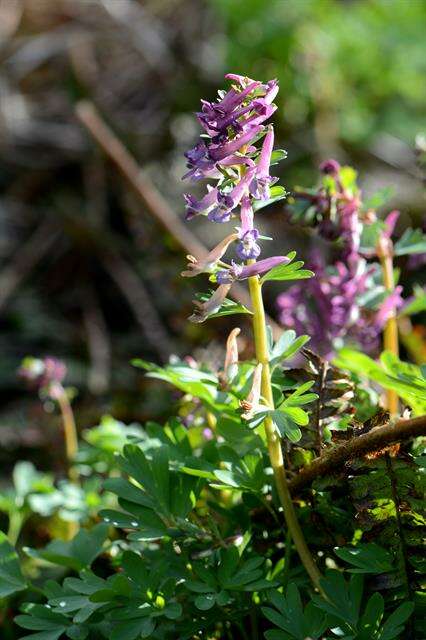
{"x": 393, "y": 302}
{"x": 196, "y": 207}
{"x": 227, "y": 202}
{"x": 220, "y": 151}
{"x": 231, "y": 358}
{"x": 207, "y": 264}
{"x": 252, "y": 403}
{"x": 204, "y": 309}
{"x": 260, "y": 185}
{"x": 247, "y": 247}
{"x": 390, "y": 222}
{"x": 240, "y": 272}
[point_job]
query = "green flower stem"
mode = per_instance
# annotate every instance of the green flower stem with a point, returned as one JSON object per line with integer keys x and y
{"x": 70, "y": 432}
{"x": 390, "y": 332}
{"x": 71, "y": 448}
{"x": 16, "y": 521}
{"x": 273, "y": 439}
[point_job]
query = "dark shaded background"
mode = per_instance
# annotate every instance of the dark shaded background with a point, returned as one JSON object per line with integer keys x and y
{"x": 74, "y": 239}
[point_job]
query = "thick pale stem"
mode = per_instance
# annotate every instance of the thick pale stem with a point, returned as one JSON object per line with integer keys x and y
{"x": 70, "y": 432}
{"x": 273, "y": 439}
{"x": 16, "y": 521}
{"x": 390, "y": 332}
{"x": 71, "y": 448}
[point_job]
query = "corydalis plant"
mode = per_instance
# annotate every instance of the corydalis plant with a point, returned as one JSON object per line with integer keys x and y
{"x": 350, "y": 293}
{"x": 240, "y": 182}
{"x": 46, "y": 375}
{"x": 240, "y": 172}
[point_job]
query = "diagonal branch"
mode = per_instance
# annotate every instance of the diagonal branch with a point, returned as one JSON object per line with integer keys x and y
{"x": 374, "y": 440}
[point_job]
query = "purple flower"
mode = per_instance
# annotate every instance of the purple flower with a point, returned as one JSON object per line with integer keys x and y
{"x": 261, "y": 182}
{"x": 330, "y": 167}
{"x": 247, "y": 248}
{"x": 270, "y": 89}
{"x": 200, "y": 164}
{"x": 390, "y": 223}
{"x": 196, "y": 207}
{"x": 336, "y": 294}
{"x": 226, "y": 202}
{"x": 209, "y": 262}
{"x": 243, "y": 106}
{"x": 40, "y": 373}
{"x": 388, "y": 307}
{"x": 220, "y": 151}
{"x": 213, "y": 113}
{"x": 241, "y": 272}
{"x": 204, "y": 309}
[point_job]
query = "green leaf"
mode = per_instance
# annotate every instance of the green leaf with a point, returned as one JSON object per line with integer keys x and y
{"x": 379, "y": 198}
{"x": 11, "y": 578}
{"x": 159, "y": 505}
{"x": 366, "y": 558}
{"x": 290, "y": 617}
{"x": 286, "y": 425}
{"x": 278, "y": 155}
{"x": 49, "y": 624}
{"x": 76, "y": 554}
{"x": 276, "y": 193}
{"x": 288, "y": 271}
{"x": 244, "y": 474}
{"x": 394, "y": 625}
{"x": 348, "y": 176}
{"x": 287, "y": 346}
{"x": 205, "y": 602}
{"x": 411, "y": 241}
{"x": 133, "y": 629}
{"x": 417, "y": 305}
{"x": 46, "y": 635}
{"x": 229, "y": 308}
{"x": 370, "y": 235}
{"x": 372, "y": 617}
{"x": 343, "y": 599}
{"x": 391, "y": 373}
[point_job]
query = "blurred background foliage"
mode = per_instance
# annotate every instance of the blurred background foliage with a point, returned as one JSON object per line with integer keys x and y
{"x": 86, "y": 273}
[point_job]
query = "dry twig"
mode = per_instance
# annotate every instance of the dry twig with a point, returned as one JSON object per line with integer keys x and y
{"x": 374, "y": 440}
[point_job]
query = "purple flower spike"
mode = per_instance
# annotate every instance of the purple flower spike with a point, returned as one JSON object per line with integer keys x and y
{"x": 229, "y": 155}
